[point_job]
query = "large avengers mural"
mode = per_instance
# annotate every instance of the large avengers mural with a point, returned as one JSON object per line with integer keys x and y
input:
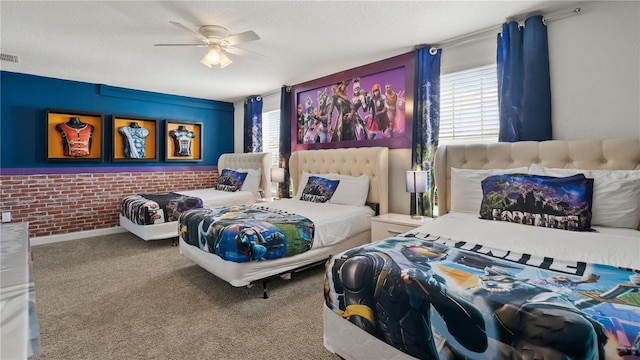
{"x": 363, "y": 108}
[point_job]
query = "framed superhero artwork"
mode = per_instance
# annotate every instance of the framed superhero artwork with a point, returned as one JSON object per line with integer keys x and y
{"x": 183, "y": 141}
{"x": 74, "y": 135}
{"x": 371, "y": 105}
{"x": 134, "y": 138}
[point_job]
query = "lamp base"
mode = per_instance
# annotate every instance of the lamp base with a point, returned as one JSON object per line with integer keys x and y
{"x": 417, "y": 217}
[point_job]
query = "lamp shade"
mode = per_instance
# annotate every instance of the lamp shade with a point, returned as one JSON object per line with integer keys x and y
{"x": 416, "y": 181}
{"x": 277, "y": 175}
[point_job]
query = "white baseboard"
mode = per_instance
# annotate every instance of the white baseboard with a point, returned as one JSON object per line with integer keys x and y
{"x": 41, "y": 240}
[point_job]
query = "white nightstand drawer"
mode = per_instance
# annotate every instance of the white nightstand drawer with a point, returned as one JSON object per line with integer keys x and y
{"x": 388, "y": 225}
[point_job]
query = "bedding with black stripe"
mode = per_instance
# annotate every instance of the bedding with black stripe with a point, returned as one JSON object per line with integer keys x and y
{"x": 147, "y": 209}
{"x": 441, "y": 298}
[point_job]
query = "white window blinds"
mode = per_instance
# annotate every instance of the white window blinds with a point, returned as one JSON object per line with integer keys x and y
{"x": 469, "y": 104}
{"x": 271, "y": 135}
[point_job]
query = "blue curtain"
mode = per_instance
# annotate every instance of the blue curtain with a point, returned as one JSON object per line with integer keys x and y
{"x": 285, "y": 138}
{"x": 253, "y": 124}
{"x": 426, "y": 123}
{"x": 524, "y": 85}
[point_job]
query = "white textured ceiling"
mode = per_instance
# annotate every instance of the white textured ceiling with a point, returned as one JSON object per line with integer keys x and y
{"x": 111, "y": 42}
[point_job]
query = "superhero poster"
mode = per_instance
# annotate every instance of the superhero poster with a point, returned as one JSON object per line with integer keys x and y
{"x": 362, "y": 107}
{"x": 442, "y": 299}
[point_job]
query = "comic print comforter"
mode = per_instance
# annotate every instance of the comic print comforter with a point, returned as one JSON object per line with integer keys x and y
{"x": 148, "y": 209}
{"x": 247, "y": 232}
{"x": 436, "y": 298}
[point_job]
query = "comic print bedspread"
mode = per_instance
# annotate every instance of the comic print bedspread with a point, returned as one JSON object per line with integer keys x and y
{"x": 148, "y": 209}
{"x": 436, "y": 298}
{"x": 247, "y": 232}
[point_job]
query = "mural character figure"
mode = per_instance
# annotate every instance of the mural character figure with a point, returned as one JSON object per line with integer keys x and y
{"x": 342, "y": 129}
{"x": 309, "y": 121}
{"x": 361, "y": 100}
{"x": 380, "y": 110}
{"x": 300, "y": 118}
{"x": 134, "y": 140}
{"x": 182, "y": 138}
{"x": 392, "y": 103}
{"x": 322, "y": 116}
{"x": 76, "y": 137}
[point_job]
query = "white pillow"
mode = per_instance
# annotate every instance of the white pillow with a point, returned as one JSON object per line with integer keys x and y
{"x": 616, "y": 194}
{"x": 350, "y": 191}
{"x": 252, "y": 181}
{"x": 466, "y": 187}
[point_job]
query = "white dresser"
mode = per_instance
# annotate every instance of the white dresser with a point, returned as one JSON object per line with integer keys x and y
{"x": 19, "y": 333}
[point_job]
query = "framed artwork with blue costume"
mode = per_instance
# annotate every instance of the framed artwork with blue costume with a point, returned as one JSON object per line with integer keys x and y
{"x": 183, "y": 140}
{"x": 74, "y": 135}
{"x": 134, "y": 138}
{"x": 371, "y": 105}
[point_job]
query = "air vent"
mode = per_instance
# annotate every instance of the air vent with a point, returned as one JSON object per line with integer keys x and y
{"x": 9, "y": 57}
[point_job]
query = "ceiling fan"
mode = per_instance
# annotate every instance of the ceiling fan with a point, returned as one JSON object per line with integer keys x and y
{"x": 220, "y": 42}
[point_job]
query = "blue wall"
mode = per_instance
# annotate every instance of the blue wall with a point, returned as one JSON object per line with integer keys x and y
{"x": 25, "y": 98}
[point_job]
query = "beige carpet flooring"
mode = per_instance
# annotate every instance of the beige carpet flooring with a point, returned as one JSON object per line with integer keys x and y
{"x": 119, "y": 297}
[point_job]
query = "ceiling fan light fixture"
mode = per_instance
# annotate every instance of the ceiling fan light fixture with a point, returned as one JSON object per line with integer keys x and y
{"x": 224, "y": 60}
{"x": 205, "y": 62}
{"x": 213, "y": 55}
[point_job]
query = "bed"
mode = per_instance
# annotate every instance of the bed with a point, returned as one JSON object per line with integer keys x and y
{"x": 144, "y": 216}
{"x": 465, "y": 287}
{"x": 338, "y": 223}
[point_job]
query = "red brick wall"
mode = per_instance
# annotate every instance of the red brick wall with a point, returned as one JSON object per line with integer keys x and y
{"x": 64, "y": 203}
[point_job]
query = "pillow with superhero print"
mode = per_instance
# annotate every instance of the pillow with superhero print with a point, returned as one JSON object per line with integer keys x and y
{"x": 546, "y": 201}
{"x": 319, "y": 189}
{"x": 231, "y": 180}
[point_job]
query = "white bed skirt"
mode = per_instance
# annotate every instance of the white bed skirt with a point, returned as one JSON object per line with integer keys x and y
{"x": 242, "y": 274}
{"x": 160, "y": 231}
{"x": 351, "y": 342}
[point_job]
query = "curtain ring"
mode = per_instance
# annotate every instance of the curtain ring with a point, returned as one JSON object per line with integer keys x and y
{"x": 258, "y": 98}
{"x": 433, "y": 50}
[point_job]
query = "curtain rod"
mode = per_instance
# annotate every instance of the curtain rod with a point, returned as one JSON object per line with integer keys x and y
{"x": 492, "y": 30}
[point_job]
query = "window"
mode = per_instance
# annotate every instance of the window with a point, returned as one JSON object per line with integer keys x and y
{"x": 271, "y": 140}
{"x": 469, "y": 105}
{"x": 271, "y": 135}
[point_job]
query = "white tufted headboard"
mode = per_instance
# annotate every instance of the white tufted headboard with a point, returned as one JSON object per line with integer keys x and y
{"x": 261, "y": 161}
{"x": 370, "y": 161}
{"x": 612, "y": 154}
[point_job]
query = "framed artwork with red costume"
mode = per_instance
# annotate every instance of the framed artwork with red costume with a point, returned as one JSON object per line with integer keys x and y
{"x": 371, "y": 105}
{"x": 74, "y": 135}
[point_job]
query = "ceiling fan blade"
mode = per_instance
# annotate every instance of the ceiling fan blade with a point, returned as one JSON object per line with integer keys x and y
{"x": 240, "y": 38}
{"x": 243, "y": 52}
{"x": 191, "y": 45}
{"x": 199, "y": 36}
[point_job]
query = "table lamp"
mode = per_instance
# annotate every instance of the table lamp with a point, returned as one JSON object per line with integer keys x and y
{"x": 416, "y": 182}
{"x": 277, "y": 176}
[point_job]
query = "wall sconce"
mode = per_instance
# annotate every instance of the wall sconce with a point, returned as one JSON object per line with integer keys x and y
{"x": 416, "y": 182}
{"x": 277, "y": 176}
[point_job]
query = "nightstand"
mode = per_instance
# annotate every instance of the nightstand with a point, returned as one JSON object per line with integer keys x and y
{"x": 387, "y": 225}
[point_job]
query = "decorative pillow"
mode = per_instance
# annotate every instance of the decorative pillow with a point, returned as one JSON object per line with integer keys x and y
{"x": 466, "y": 191}
{"x": 252, "y": 182}
{"x": 351, "y": 190}
{"x": 554, "y": 202}
{"x": 616, "y": 194}
{"x": 319, "y": 189}
{"x": 231, "y": 180}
